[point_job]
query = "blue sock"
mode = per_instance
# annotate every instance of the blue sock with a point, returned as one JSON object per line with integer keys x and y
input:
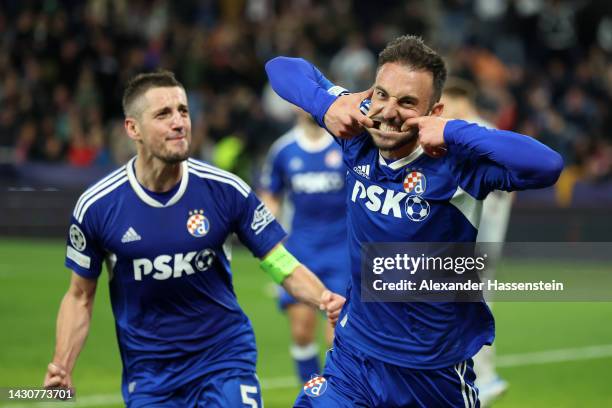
{"x": 306, "y": 360}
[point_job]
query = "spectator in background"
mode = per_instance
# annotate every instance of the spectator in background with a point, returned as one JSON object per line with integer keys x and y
{"x": 354, "y": 65}
{"x": 80, "y": 51}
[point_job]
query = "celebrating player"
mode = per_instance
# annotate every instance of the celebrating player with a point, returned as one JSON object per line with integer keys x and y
{"x": 161, "y": 222}
{"x": 306, "y": 165}
{"x": 408, "y": 354}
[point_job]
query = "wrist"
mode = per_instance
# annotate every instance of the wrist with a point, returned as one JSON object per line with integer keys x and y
{"x": 327, "y": 101}
{"x": 450, "y": 131}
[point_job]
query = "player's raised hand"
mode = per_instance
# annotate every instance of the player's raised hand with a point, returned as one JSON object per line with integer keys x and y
{"x": 332, "y": 304}
{"x": 431, "y": 133}
{"x": 344, "y": 119}
{"x": 57, "y": 377}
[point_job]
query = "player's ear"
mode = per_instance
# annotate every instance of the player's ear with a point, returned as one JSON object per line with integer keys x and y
{"x": 132, "y": 128}
{"x": 437, "y": 109}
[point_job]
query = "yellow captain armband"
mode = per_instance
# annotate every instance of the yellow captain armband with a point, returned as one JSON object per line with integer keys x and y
{"x": 279, "y": 264}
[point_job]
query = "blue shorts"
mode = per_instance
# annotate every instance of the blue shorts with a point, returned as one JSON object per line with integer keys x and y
{"x": 224, "y": 389}
{"x": 355, "y": 380}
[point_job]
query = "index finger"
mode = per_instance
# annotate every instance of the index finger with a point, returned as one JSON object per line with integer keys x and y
{"x": 367, "y": 94}
{"x": 325, "y": 298}
{"x": 365, "y": 121}
{"x": 410, "y": 122}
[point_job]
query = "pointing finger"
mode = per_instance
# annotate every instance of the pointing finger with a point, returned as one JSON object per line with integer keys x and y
{"x": 366, "y": 122}
{"x": 410, "y": 122}
{"x": 326, "y": 296}
{"x": 367, "y": 94}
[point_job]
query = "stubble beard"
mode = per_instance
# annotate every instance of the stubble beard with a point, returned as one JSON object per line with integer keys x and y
{"x": 389, "y": 146}
{"x": 169, "y": 157}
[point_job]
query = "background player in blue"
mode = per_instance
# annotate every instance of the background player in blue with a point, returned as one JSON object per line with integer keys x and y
{"x": 409, "y": 354}
{"x": 305, "y": 166}
{"x": 161, "y": 223}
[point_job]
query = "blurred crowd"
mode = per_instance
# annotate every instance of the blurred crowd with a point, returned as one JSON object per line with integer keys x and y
{"x": 542, "y": 67}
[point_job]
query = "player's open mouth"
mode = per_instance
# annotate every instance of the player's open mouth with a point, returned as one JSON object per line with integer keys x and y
{"x": 385, "y": 127}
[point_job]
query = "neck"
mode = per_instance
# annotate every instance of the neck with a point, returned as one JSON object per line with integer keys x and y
{"x": 312, "y": 133}
{"x": 400, "y": 152}
{"x": 155, "y": 175}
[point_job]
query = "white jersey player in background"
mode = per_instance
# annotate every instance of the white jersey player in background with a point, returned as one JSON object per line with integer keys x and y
{"x": 459, "y": 103}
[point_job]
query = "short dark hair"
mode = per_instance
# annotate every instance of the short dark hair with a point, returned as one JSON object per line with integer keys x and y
{"x": 412, "y": 51}
{"x": 141, "y": 83}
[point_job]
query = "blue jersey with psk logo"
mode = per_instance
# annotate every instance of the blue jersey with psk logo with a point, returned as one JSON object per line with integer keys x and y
{"x": 312, "y": 175}
{"x": 177, "y": 317}
{"x": 417, "y": 199}
{"x": 414, "y": 199}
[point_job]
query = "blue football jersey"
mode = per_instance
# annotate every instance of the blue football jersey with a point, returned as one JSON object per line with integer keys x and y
{"x": 417, "y": 199}
{"x": 177, "y": 317}
{"x": 414, "y": 199}
{"x": 312, "y": 177}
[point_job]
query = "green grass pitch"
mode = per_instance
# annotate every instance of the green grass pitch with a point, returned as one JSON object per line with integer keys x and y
{"x": 33, "y": 280}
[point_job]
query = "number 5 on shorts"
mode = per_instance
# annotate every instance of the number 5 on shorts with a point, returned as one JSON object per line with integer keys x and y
{"x": 245, "y": 390}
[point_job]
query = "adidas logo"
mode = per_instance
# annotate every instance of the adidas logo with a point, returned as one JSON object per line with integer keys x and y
{"x": 130, "y": 236}
{"x": 363, "y": 170}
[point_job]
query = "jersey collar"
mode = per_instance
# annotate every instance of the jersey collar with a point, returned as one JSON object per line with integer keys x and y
{"x": 398, "y": 164}
{"x": 147, "y": 198}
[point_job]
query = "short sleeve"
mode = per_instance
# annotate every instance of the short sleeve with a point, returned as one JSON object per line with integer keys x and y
{"x": 256, "y": 226}
{"x": 83, "y": 254}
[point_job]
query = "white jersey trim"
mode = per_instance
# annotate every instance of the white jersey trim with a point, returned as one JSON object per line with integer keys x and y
{"x": 207, "y": 171}
{"x": 96, "y": 188}
{"x": 469, "y": 206}
{"x": 147, "y": 198}
{"x": 101, "y": 193}
{"x": 469, "y": 394}
{"x": 398, "y": 164}
{"x": 216, "y": 177}
{"x": 285, "y": 140}
{"x": 282, "y": 142}
{"x": 80, "y": 259}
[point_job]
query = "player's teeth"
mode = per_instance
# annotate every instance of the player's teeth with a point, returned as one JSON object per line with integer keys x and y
{"x": 386, "y": 127}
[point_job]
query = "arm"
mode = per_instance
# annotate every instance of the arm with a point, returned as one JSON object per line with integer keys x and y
{"x": 300, "y": 282}
{"x": 72, "y": 327}
{"x": 530, "y": 164}
{"x": 304, "y": 285}
{"x": 301, "y": 83}
{"x": 526, "y": 163}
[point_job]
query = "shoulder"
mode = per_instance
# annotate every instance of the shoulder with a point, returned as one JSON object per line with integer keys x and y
{"x": 284, "y": 143}
{"x": 99, "y": 191}
{"x": 222, "y": 178}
